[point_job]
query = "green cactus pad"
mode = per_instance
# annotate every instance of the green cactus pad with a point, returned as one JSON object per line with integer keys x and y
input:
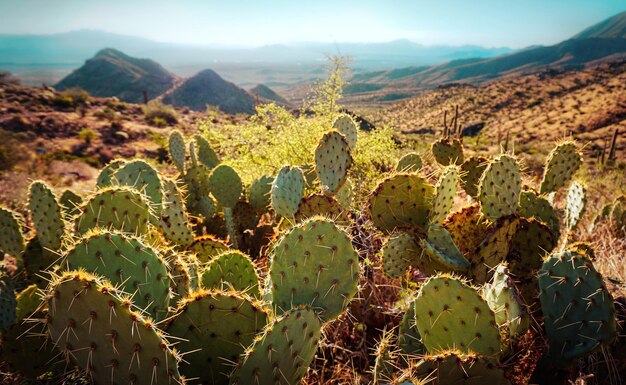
{"x": 39, "y": 262}
{"x": 467, "y": 228}
{"x": 385, "y": 356}
{"x": 401, "y": 200}
{"x": 215, "y": 327}
{"x": 345, "y": 194}
{"x": 451, "y": 315}
{"x": 400, "y": 251}
{"x": 94, "y": 327}
{"x": 142, "y": 177}
{"x": 440, "y": 248}
{"x": 579, "y": 315}
{"x": 225, "y": 185}
{"x": 445, "y": 191}
{"x": 173, "y": 221}
{"x": 7, "y": 301}
{"x": 310, "y": 176}
{"x": 260, "y": 193}
{"x": 128, "y": 263}
{"x": 178, "y": 150}
{"x": 448, "y": 151}
{"x": 410, "y": 162}
{"x": 118, "y": 208}
{"x": 321, "y": 204}
{"x": 287, "y": 191}
{"x": 245, "y": 217}
{"x": 180, "y": 272}
{"x": 563, "y": 161}
{"x": 471, "y": 172}
{"x": 282, "y": 354}
{"x": 207, "y": 247}
{"x": 332, "y": 161}
{"x": 206, "y": 155}
{"x": 458, "y": 369}
{"x": 70, "y": 204}
{"x": 105, "y": 178}
{"x": 534, "y": 206}
{"x": 500, "y": 187}
{"x": 409, "y": 338}
{"x": 503, "y": 298}
{"x": 11, "y": 238}
{"x": 348, "y": 128}
{"x": 199, "y": 201}
{"x": 46, "y": 214}
{"x": 314, "y": 264}
{"x": 232, "y": 269}
{"x": 575, "y": 205}
{"x": 27, "y": 301}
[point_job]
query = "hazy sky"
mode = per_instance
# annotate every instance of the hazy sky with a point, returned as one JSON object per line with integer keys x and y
{"x": 490, "y": 23}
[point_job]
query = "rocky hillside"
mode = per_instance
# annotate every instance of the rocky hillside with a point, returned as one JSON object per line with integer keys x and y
{"x": 267, "y": 94}
{"x": 113, "y": 73}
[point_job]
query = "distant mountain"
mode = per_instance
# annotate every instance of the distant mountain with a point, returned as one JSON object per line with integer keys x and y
{"x": 113, "y": 73}
{"x": 600, "y": 43}
{"x": 208, "y": 88}
{"x": 267, "y": 94}
{"x": 611, "y": 28}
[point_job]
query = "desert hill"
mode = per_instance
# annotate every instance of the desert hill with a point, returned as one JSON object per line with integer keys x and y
{"x": 267, "y": 94}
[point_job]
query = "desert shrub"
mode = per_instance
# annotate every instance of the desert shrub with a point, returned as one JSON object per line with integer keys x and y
{"x": 160, "y": 115}
{"x": 115, "y": 104}
{"x": 108, "y": 114}
{"x": 87, "y": 135}
{"x": 70, "y": 98}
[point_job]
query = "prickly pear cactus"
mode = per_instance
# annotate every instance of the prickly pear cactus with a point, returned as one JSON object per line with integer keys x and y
{"x": 178, "y": 150}
{"x": 445, "y": 191}
{"x": 26, "y": 302}
{"x": 199, "y": 200}
{"x": 401, "y": 200}
{"x": 471, "y": 172}
{"x": 448, "y": 151}
{"x": 503, "y": 298}
{"x": 410, "y": 162}
{"x": 173, "y": 221}
{"x": 467, "y": 228}
{"x": 105, "y": 178}
{"x": 283, "y": 352}
{"x": 183, "y": 277}
{"x": 70, "y": 204}
{"x": 314, "y": 264}
{"x": 345, "y": 194}
{"x": 332, "y": 160}
{"x": 215, "y": 327}
{"x": 453, "y": 368}
{"x": 534, "y": 206}
{"x": 441, "y": 250}
{"x": 287, "y": 191}
{"x": 563, "y": 161}
{"x": 575, "y": 205}
{"x": 400, "y": 251}
{"x": 500, "y": 187}
{"x": 579, "y": 316}
{"x": 232, "y": 269}
{"x": 409, "y": 338}
{"x": 7, "y": 301}
{"x": 225, "y": 185}
{"x": 117, "y": 208}
{"x": 142, "y": 177}
{"x": 207, "y": 247}
{"x": 206, "y": 155}
{"x": 449, "y": 314}
{"x": 260, "y": 193}
{"x": 46, "y": 214}
{"x": 348, "y": 128}
{"x": 11, "y": 238}
{"x": 321, "y": 204}
{"x": 91, "y": 325}
{"x": 385, "y": 356}
{"x": 134, "y": 267}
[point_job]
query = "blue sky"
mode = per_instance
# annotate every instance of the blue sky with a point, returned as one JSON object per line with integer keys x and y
{"x": 491, "y": 23}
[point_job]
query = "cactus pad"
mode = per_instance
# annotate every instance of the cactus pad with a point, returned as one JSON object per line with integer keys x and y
{"x": 94, "y": 327}
{"x": 11, "y": 238}
{"x": 207, "y": 247}
{"x": 506, "y": 303}
{"x": 215, "y": 327}
{"x": 409, "y": 337}
{"x": 46, "y": 214}
{"x": 471, "y": 172}
{"x": 232, "y": 269}
{"x": 225, "y": 185}
{"x": 105, "y": 178}
{"x": 7, "y": 301}
{"x": 467, "y": 228}
{"x": 206, "y": 155}
{"x": 177, "y": 150}
{"x": 321, "y": 204}
{"x": 332, "y": 161}
{"x": 70, "y": 203}
{"x": 348, "y": 128}
{"x": 400, "y": 251}
{"x": 314, "y": 264}
{"x": 260, "y": 193}
{"x": 563, "y": 161}
{"x": 575, "y": 205}
{"x": 445, "y": 190}
{"x": 142, "y": 177}
{"x": 458, "y": 369}
{"x": 441, "y": 250}
{"x": 451, "y": 315}
{"x": 199, "y": 201}
{"x": 410, "y": 162}
{"x": 500, "y": 187}
{"x": 579, "y": 314}
{"x": 287, "y": 191}
{"x": 284, "y": 351}
{"x": 173, "y": 221}
{"x": 534, "y": 206}
{"x": 128, "y": 263}
{"x": 401, "y": 200}
{"x": 448, "y": 151}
